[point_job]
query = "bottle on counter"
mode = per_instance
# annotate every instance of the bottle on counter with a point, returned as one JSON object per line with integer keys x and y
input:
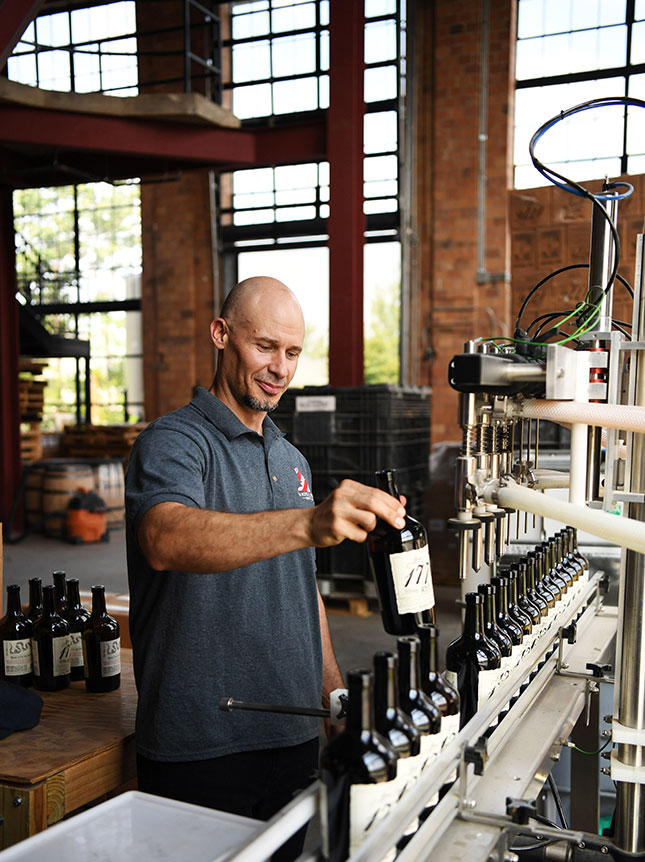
{"x": 35, "y": 607}
{"x": 472, "y": 661}
{"x": 400, "y": 566}
{"x": 358, "y": 771}
{"x": 60, "y": 588}
{"x": 101, "y": 646}
{"x": 575, "y": 550}
{"x": 50, "y": 646}
{"x": 77, "y": 616}
{"x": 512, "y": 628}
{"x": 442, "y": 693}
{"x": 15, "y": 641}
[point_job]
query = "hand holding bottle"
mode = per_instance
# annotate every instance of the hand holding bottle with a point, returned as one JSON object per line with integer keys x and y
{"x": 351, "y": 511}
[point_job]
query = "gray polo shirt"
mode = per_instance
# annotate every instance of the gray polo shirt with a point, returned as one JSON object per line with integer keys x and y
{"x": 252, "y": 633}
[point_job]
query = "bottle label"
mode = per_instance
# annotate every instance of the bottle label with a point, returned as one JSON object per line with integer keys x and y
{"x": 60, "y": 649}
{"x": 75, "y": 650}
{"x": 368, "y": 805}
{"x": 449, "y": 730}
{"x": 17, "y": 657}
{"x": 407, "y": 771}
{"x": 412, "y": 581}
{"x": 35, "y": 660}
{"x": 488, "y": 682}
{"x": 111, "y": 657}
{"x": 430, "y": 747}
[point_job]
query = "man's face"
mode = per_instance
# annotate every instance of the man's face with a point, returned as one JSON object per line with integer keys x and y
{"x": 260, "y": 356}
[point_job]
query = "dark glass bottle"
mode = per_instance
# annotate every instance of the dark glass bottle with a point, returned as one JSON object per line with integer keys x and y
{"x": 572, "y": 560}
{"x": 515, "y": 611}
{"x": 512, "y": 628}
{"x": 50, "y": 646}
{"x": 567, "y": 567}
{"x": 60, "y": 587}
{"x": 523, "y": 600}
{"x": 15, "y": 645}
{"x": 35, "y": 607}
{"x": 532, "y": 591}
{"x": 400, "y": 566}
{"x": 472, "y": 660}
{"x": 415, "y": 704}
{"x": 546, "y": 590}
{"x": 101, "y": 646}
{"x": 553, "y": 575}
{"x": 444, "y": 695}
{"x": 563, "y": 571}
{"x": 357, "y": 769}
{"x": 491, "y": 629}
{"x": 76, "y": 616}
{"x": 542, "y": 550}
{"x": 573, "y": 533}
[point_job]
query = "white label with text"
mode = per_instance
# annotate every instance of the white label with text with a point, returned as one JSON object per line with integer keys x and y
{"x": 75, "y": 650}
{"x": 60, "y": 650}
{"x": 368, "y": 804}
{"x": 111, "y": 657}
{"x": 412, "y": 581}
{"x": 17, "y": 657}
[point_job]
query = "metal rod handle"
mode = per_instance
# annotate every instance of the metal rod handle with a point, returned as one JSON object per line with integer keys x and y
{"x": 227, "y": 704}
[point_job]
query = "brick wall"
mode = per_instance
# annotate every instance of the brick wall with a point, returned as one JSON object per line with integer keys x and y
{"x": 451, "y": 305}
{"x": 178, "y": 286}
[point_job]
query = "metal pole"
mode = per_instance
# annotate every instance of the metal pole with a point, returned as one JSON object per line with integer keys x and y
{"x": 629, "y": 698}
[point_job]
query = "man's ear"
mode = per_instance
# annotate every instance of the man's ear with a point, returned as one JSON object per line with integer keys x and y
{"x": 219, "y": 332}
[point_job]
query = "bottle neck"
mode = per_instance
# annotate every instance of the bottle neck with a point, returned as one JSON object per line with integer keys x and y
{"x": 474, "y": 618}
{"x": 428, "y": 637}
{"x": 73, "y": 594}
{"x": 385, "y": 694}
{"x": 521, "y": 579}
{"x": 49, "y": 600}
{"x": 502, "y": 596}
{"x": 98, "y": 601}
{"x": 386, "y": 481}
{"x": 359, "y": 709}
{"x": 13, "y": 599}
{"x": 512, "y": 587}
{"x": 35, "y": 592}
{"x": 530, "y": 573}
{"x": 408, "y": 665}
{"x": 60, "y": 586}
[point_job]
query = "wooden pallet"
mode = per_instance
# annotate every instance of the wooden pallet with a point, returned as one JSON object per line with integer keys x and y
{"x": 31, "y": 390}
{"x": 347, "y": 593}
{"x": 31, "y": 445}
{"x": 89, "y": 441}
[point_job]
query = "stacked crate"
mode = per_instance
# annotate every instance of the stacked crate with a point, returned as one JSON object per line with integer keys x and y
{"x": 349, "y": 433}
{"x": 31, "y": 388}
{"x": 104, "y": 441}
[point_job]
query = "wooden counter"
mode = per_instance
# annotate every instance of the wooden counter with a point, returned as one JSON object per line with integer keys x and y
{"x": 82, "y": 750}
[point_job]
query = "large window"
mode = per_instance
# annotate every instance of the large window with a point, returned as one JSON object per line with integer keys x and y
{"x": 78, "y": 261}
{"x": 570, "y": 51}
{"x": 278, "y": 56}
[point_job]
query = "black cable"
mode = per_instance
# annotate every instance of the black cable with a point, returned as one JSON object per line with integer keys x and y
{"x": 548, "y": 316}
{"x": 545, "y": 820}
{"x": 544, "y": 281}
{"x": 617, "y": 326}
{"x": 557, "y": 800}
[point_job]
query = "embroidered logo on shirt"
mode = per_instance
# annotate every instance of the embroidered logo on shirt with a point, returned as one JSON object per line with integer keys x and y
{"x": 303, "y": 486}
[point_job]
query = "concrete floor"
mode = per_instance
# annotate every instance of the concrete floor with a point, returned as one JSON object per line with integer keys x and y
{"x": 355, "y": 638}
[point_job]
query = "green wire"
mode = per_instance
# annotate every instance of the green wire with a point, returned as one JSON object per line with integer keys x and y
{"x": 582, "y": 751}
{"x": 585, "y": 327}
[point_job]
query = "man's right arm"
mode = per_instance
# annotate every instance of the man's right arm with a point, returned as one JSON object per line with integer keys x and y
{"x": 175, "y": 537}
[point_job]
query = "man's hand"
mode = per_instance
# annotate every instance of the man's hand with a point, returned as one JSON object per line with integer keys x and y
{"x": 351, "y": 512}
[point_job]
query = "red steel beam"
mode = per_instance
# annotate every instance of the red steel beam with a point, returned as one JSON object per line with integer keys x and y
{"x": 346, "y": 223}
{"x": 15, "y": 17}
{"x": 203, "y": 145}
{"x": 10, "y": 468}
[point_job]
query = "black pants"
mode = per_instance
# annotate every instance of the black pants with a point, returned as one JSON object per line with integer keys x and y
{"x": 252, "y": 783}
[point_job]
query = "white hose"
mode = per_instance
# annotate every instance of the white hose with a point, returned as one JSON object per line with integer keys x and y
{"x": 626, "y": 417}
{"x": 621, "y": 531}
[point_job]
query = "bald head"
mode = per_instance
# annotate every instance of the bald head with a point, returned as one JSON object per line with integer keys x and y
{"x": 258, "y": 336}
{"x": 251, "y": 296}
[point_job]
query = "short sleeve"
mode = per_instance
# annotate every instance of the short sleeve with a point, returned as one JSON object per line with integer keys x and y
{"x": 165, "y": 465}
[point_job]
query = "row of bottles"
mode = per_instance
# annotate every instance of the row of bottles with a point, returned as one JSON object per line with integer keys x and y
{"x": 56, "y": 640}
{"x": 505, "y": 619}
{"x": 398, "y": 718}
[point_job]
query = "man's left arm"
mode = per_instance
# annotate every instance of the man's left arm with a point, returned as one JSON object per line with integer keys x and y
{"x": 332, "y": 678}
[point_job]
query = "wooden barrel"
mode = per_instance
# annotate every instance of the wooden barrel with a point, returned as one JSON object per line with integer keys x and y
{"x": 109, "y": 484}
{"x": 60, "y": 483}
{"x": 34, "y": 496}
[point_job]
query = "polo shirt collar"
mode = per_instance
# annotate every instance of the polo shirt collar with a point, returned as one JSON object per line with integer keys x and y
{"x": 226, "y": 421}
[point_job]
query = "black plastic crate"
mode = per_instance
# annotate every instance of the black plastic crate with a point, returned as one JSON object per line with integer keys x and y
{"x": 372, "y": 428}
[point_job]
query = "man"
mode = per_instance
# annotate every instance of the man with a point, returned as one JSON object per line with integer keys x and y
{"x": 221, "y": 535}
